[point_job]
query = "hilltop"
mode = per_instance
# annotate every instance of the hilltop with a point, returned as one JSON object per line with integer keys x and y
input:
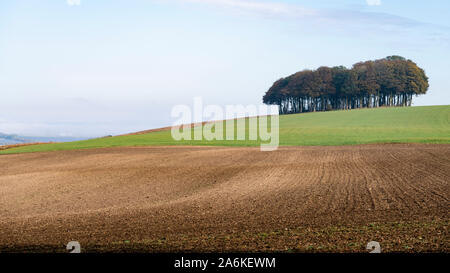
{"x": 424, "y": 124}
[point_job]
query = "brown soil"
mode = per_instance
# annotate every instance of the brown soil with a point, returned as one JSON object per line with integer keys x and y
{"x": 4, "y": 147}
{"x": 227, "y": 199}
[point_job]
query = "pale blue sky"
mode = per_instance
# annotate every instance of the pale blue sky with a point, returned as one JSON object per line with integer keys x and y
{"x": 109, "y": 67}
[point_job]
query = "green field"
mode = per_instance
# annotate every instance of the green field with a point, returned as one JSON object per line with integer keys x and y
{"x": 425, "y": 124}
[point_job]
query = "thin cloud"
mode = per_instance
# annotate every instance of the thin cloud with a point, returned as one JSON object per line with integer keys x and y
{"x": 286, "y": 10}
{"x": 342, "y": 20}
{"x": 373, "y": 2}
{"x": 271, "y": 8}
{"x": 73, "y": 2}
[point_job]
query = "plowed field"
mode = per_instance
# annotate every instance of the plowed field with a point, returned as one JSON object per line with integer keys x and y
{"x": 332, "y": 199}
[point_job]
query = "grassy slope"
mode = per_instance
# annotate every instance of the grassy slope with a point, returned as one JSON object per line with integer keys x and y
{"x": 430, "y": 124}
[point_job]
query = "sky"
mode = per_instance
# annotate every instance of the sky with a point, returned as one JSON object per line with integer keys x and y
{"x": 86, "y": 68}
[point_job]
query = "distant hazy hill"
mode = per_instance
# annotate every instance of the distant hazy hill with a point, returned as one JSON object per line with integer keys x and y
{"x": 7, "y": 139}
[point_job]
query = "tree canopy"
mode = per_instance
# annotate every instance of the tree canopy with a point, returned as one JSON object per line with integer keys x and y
{"x": 391, "y": 81}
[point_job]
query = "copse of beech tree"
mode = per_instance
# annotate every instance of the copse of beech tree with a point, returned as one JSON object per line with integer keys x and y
{"x": 392, "y": 81}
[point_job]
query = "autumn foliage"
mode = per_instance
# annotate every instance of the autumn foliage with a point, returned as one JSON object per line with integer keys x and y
{"x": 392, "y": 81}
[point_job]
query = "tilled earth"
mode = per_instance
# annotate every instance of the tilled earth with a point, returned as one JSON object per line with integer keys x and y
{"x": 195, "y": 199}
